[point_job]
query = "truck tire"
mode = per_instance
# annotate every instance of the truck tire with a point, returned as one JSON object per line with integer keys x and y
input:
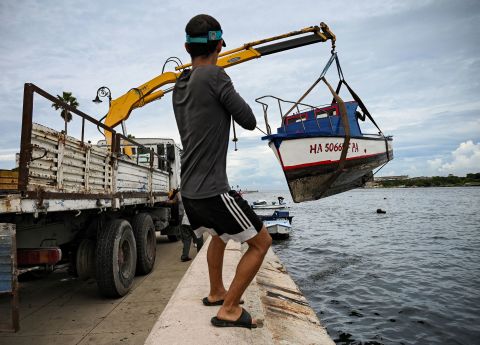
{"x": 85, "y": 259}
{"x": 116, "y": 258}
{"x": 146, "y": 240}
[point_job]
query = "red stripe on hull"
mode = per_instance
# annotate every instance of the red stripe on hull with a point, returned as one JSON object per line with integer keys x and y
{"x": 292, "y": 167}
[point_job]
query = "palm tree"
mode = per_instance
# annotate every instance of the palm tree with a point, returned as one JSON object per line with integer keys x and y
{"x": 70, "y": 100}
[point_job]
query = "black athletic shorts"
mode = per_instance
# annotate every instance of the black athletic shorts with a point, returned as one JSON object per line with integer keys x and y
{"x": 227, "y": 215}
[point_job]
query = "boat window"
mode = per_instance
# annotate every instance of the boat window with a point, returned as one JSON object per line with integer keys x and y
{"x": 295, "y": 119}
{"x": 323, "y": 113}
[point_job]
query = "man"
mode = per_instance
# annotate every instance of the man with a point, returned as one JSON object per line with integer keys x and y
{"x": 204, "y": 102}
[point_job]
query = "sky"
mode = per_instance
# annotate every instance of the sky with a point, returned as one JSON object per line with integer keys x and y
{"x": 414, "y": 63}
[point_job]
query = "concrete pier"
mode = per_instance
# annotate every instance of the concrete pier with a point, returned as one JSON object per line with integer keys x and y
{"x": 272, "y": 298}
{"x": 62, "y": 310}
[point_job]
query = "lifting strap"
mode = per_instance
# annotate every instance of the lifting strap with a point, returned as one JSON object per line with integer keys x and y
{"x": 357, "y": 99}
{"x": 322, "y": 75}
{"x": 346, "y": 142}
{"x": 354, "y": 95}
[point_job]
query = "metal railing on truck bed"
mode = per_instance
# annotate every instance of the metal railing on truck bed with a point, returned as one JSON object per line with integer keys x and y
{"x": 54, "y": 165}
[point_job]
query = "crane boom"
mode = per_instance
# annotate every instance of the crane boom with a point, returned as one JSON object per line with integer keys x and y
{"x": 120, "y": 108}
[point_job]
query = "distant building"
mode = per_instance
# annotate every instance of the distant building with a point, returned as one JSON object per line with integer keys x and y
{"x": 421, "y": 178}
{"x": 390, "y": 178}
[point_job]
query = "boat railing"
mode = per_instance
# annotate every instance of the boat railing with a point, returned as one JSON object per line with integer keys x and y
{"x": 283, "y": 117}
{"x": 375, "y": 135}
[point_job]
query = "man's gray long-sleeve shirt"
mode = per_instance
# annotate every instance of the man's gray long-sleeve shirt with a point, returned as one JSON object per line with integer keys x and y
{"x": 204, "y": 100}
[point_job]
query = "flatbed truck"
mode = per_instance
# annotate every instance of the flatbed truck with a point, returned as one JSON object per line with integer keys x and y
{"x": 89, "y": 205}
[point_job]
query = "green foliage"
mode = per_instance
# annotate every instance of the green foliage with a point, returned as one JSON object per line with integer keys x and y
{"x": 435, "y": 181}
{"x": 474, "y": 176}
{"x": 70, "y": 100}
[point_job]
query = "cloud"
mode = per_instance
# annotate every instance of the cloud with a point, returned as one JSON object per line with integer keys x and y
{"x": 465, "y": 159}
{"x": 412, "y": 63}
{"x": 435, "y": 164}
{"x": 254, "y": 166}
{"x": 7, "y": 157}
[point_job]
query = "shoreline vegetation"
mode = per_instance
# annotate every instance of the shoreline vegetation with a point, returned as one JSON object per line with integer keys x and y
{"x": 470, "y": 180}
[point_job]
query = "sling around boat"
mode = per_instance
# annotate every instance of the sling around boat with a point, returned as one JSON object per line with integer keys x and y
{"x": 322, "y": 149}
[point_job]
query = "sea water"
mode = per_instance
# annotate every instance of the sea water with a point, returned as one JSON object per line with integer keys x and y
{"x": 409, "y": 276}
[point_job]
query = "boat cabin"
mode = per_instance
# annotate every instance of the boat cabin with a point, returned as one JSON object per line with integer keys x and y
{"x": 325, "y": 121}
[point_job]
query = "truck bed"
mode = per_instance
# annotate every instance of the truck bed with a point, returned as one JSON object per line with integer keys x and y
{"x": 64, "y": 173}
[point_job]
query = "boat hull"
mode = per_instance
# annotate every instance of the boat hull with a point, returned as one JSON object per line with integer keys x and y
{"x": 278, "y": 229}
{"x": 278, "y": 224}
{"x": 311, "y": 164}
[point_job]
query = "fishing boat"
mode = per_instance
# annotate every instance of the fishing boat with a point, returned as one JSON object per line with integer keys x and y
{"x": 264, "y": 205}
{"x": 278, "y": 224}
{"x": 322, "y": 149}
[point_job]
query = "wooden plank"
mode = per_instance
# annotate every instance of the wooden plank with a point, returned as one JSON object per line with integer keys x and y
{"x": 8, "y": 180}
{"x": 43, "y": 165}
{"x": 73, "y": 170}
{"x": 44, "y": 143}
{"x": 48, "y": 177}
{"x": 95, "y": 173}
{"x": 73, "y": 162}
{"x": 9, "y": 186}
{"x": 97, "y": 181}
{"x": 8, "y": 173}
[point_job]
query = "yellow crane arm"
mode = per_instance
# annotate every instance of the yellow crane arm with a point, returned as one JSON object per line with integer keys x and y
{"x": 121, "y": 107}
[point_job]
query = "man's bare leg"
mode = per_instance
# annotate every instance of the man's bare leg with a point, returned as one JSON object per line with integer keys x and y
{"x": 246, "y": 270}
{"x": 215, "y": 253}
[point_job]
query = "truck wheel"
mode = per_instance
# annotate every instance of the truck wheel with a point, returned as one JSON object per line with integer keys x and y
{"x": 146, "y": 240}
{"x": 172, "y": 238}
{"x": 85, "y": 259}
{"x": 116, "y": 258}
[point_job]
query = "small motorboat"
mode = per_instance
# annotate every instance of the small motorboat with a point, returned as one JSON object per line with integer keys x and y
{"x": 278, "y": 224}
{"x": 264, "y": 205}
{"x": 322, "y": 149}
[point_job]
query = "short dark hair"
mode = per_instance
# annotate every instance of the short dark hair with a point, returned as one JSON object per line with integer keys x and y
{"x": 200, "y": 25}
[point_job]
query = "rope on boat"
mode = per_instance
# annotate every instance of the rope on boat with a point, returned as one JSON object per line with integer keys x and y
{"x": 322, "y": 75}
{"x": 379, "y": 168}
{"x": 354, "y": 95}
{"x": 360, "y": 104}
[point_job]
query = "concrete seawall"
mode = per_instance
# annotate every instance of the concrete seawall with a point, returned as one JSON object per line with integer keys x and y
{"x": 272, "y": 298}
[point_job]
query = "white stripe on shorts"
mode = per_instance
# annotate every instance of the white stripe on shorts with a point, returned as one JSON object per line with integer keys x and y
{"x": 233, "y": 213}
{"x": 243, "y": 215}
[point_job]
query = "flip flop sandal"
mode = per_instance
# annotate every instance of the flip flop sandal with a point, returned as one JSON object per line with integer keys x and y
{"x": 245, "y": 320}
{"x": 207, "y": 303}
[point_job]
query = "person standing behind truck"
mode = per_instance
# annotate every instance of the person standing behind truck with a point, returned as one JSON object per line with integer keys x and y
{"x": 204, "y": 103}
{"x": 184, "y": 230}
{"x": 187, "y": 234}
